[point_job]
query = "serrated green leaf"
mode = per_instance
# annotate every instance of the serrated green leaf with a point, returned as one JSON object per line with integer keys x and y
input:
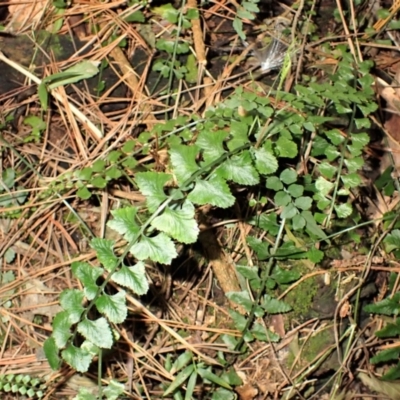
{"x": 388, "y": 306}
{"x": 335, "y": 136}
{"x": 124, "y": 222}
{"x": 151, "y": 184}
{"x": 159, "y": 249}
{"x": 354, "y": 164}
{"x": 274, "y": 306}
{"x": 211, "y": 142}
{"x": 77, "y": 358}
{"x": 99, "y": 182}
{"x": 71, "y": 300}
{"x": 98, "y": 332}
{"x": 133, "y": 278}
{"x": 260, "y": 247}
{"x": 61, "y": 329}
{"x": 386, "y": 355}
{"x": 105, "y": 252}
{"x": 248, "y": 272}
{"x": 215, "y": 192}
{"x": 315, "y": 255}
{"x": 113, "y": 390}
{"x": 286, "y": 147}
{"x": 392, "y": 241}
{"x": 239, "y": 320}
{"x": 183, "y": 159}
{"x": 266, "y": 163}
{"x": 239, "y": 169}
{"x": 113, "y": 307}
{"x": 88, "y": 275}
{"x": 238, "y": 26}
{"x": 241, "y": 298}
{"x": 51, "y": 352}
{"x": 179, "y": 223}
{"x": 390, "y": 330}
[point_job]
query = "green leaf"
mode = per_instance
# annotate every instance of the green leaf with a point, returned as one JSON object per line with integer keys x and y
{"x": 61, "y": 329}
{"x": 241, "y": 298}
{"x": 392, "y": 241}
{"x": 286, "y": 148}
{"x": 323, "y": 186}
{"x": 88, "y": 275}
{"x": 183, "y": 159}
{"x": 51, "y": 351}
{"x": 295, "y": 190}
{"x": 351, "y": 180}
{"x": 335, "y": 136}
{"x": 288, "y": 176}
{"x": 98, "y": 332}
{"x": 283, "y": 276}
{"x": 298, "y": 222}
{"x": 303, "y": 202}
{"x": 182, "y": 361}
{"x": 83, "y": 70}
{"x": 266, "y": 163}
{"x": 78, "y": 359}
{"x": 114, "y": 390}
{"x": 124, "y": 222}
{"x": 159, "y": 248}
{"x": 386, "y": 355}
{"x": 133, "y": 278}
{"x": 327, "y": 170}
{"x": 274, "y": 183}
{"x": 191, "y": 386}
{"x": 113, "y": 307}
{"x": 239, "y": 169}
{"x": 178, "y": 223}
{"x": 261, "y": 333}
{"x": 282, "y": 199}
{"x": 151, "y": 184}
{"x": 289, "y": 211}
{"x": 388, "y": 306}
{"x": 315, "y": 255}
{"x": 343, "y": 210}
{"x": 84, "y": 193}
{"x": 206, "y": 374}
{"x": 354, "y": 164}
{"x": 238, "y": 27}
{"x": 390, "y": 330}
{"x": 212, "y": 144}
{"x": 248, "y": 272}
{"x": 104, "y": 252}
{"x": 312, "y": 226}
{"x": 215, "y": 192}
{"x": 136, "y": 16}
{"x": 274, "y": 306}
{"x": 181, "y": 378}
{"x": 99, "y": 182}
{"x": 99, "y": 166}
{"x": 259, "y": 246}
{"x": 71, "y": 300}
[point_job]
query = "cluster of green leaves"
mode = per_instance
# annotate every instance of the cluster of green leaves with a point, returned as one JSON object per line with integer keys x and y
{"x": 188, "y": 371}
{"x": 246, "y": 11}
{"x": 112, "y": 391}
{"x": 24, "y": 385}
{"x": 11, "y": 194}
{"x": 389, "y": 306}
{"x": 176, "y": 46}
{"x": 209, "y": 160}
